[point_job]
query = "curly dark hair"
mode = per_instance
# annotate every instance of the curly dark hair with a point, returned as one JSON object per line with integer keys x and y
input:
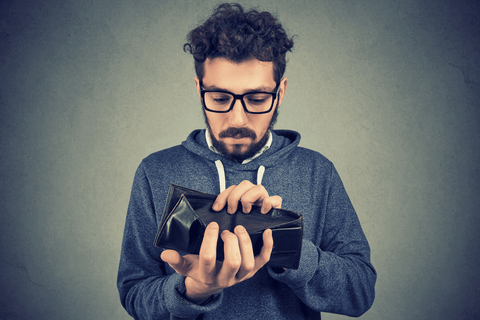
{"x": 238, "y": 36}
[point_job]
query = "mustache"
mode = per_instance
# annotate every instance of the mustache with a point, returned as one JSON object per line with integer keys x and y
{"x": 238, "y": 133}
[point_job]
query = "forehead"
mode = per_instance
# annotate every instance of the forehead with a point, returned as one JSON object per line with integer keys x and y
{"x": 238, "y": 77}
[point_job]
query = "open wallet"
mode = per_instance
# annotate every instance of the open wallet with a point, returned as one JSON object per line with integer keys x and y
{"x": 188, "y": 212}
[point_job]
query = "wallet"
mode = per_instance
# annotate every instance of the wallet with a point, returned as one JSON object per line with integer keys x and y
{"x": 188, "y": 212}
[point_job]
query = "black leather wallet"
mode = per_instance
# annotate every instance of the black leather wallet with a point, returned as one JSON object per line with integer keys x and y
{"x": 188, "y": 212}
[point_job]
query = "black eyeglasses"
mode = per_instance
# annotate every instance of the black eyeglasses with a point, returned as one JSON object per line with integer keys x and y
{"x": 256, "y": 102}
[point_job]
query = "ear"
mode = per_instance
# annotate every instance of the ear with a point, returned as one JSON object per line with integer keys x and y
{"x": 282, "y": 89}
{"x": 197, "y": 85}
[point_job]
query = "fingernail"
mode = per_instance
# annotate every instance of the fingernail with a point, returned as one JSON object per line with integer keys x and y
{"x": 216, "y": 206}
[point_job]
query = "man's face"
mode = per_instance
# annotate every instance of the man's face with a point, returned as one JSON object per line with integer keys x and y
{"x": 237, "y": 134}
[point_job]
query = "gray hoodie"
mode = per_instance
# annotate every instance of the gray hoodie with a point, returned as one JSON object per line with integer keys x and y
{"x": 335, "y": 274}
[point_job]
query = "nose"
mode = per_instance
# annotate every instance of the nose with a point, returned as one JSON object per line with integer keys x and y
{"x": 237, "y": 116}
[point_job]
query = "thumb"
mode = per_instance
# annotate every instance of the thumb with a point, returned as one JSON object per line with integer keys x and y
{"x": 175, "y": 260}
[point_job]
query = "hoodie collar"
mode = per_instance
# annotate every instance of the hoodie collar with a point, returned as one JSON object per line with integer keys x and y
{"x": 283, "y": 143}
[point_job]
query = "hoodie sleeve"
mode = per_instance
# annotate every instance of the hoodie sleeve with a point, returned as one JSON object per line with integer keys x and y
{"x": 334, "y": 275}
{"x": 146, "y": 290}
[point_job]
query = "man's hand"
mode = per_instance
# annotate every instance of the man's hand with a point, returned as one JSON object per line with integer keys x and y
{"x": 206, "y": 276}
{"x": 248, "y": 194}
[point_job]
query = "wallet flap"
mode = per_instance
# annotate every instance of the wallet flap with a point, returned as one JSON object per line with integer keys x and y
{"x": 173, "y": 196}
{"x": 254, "y": 221}
{"x": 203, "y": 208}
{"x": 182, "y": 229}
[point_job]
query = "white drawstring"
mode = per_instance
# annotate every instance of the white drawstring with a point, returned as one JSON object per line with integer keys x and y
{"x": 260, "y": 172}
{"x": 221, "y": 175}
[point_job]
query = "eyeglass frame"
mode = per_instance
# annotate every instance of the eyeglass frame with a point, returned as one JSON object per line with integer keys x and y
{"x": 239, "y": 97}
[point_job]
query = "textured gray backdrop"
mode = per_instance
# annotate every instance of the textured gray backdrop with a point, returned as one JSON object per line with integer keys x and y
{"x": 387, "y": 90}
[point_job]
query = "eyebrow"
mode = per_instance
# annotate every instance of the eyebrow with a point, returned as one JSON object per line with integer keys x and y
{"x": 215, "y": 88}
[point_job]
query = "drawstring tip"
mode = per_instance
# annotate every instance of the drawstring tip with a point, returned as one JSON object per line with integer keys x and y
{"x": 260, "y": 172}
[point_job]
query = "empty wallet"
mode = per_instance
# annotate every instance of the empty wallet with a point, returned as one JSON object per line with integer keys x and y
{"x": 188, "y": 212}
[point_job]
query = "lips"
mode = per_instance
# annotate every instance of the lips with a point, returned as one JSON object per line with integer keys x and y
{"x": 238, "y": 136}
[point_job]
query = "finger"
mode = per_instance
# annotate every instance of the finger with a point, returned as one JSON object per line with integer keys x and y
{"x": 246, "y": 251}
{"x": 237, "y": 194}
{"x": 271, "y": 202}
{"x": 255, "y": 195}
{"x": 221, "y": 199}
{"x": 266, "y": 251}
{"x": 232, "y": 261}
{"x": 175, "y": 260}
{"x": 208, "y": 253}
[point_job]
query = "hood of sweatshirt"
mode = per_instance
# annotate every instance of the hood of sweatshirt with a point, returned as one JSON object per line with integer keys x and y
{"x": 283, "y": 144}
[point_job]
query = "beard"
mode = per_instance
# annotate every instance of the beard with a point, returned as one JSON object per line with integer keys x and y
{"x": 237, "y": 154}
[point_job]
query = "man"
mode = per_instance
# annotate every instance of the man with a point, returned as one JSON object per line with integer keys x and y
{"x": 240, "y": 61}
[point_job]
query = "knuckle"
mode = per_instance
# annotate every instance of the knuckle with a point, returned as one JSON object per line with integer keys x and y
{"x": 208, "y": 258}
{"x": 244, "y": 199}
{"x": 229, "y": 190}
{"x": 234, "y": 262}
{"x": 260, "y": 191}
{"x": 245, "y": 183}
{"x": 207, "y": 254}
{"x": 278, "y": 200}
{"x": 249, "y": 265}
{"x": 246, "y": 206}
{"x": 267, "y": 201}
{"x": 208, "y": 281}
{"x": 224, "y": 283}
{"x": 232, "y": 204}
{"x": 261, "y": 188}
{"x": 222, "y": 197}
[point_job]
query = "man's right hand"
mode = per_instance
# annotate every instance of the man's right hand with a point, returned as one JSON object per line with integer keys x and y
{"x": 205, "y": 275}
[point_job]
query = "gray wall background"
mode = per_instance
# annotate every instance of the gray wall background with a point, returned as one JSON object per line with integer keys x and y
{"x": 387, "y": 90}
